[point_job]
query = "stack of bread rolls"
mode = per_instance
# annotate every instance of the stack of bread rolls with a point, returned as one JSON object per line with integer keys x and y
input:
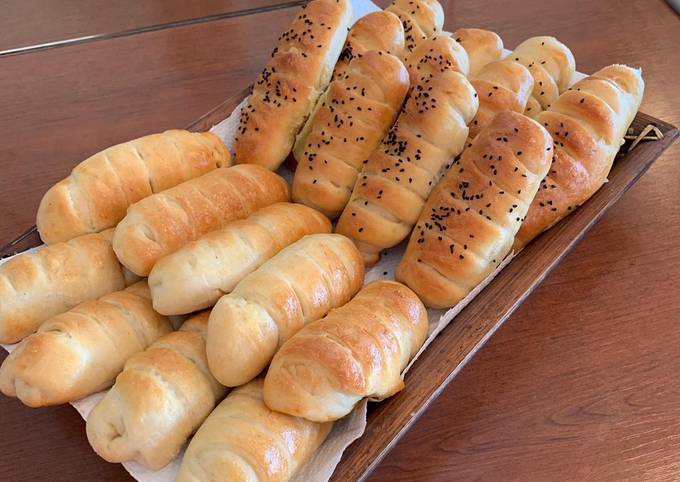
{"x": 401, "y": 132}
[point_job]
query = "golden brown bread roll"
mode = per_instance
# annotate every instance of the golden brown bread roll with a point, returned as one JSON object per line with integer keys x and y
{"x": 392, "y": 189}
{"x": 587, "y": 124}
{"x": 197, "y": 275}
{"x": 162, "y": 223}
{"x": 482, "y": 47}
{"x": 552, "y": 66}
{"x": 99, "y": 190}
{"x": 36, "y": 286}
{"x": 348, "y": 124}
{"x": 469, "y": 222}
{"x": 243, "y": 440}
{"x": 80, "y": 352}
{"x": 292, "y": 81}
{"x": 421, "y": 19}
{"x": 501, "y": 86}
{"x": 357, "y": 351}
{"x": 159, "y": 399}
{"x": 300, "y": 284}
{"x": 436, "y": 54}
{"x": 379, "y": 30}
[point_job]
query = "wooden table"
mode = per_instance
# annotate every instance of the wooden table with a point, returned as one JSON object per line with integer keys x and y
{"x": 580, "y": 384}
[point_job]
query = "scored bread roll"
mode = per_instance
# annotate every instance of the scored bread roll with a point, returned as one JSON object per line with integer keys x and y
{"x": 349, "y": 122}
{"x": 99, "y": 190}
{"x": 357, "y": 351}
{"x": 481, "y": 46}
{"x": 501, "y": 86}
{"x": 36, "y": 286}
{"x": 379, "y": 30}
{"x": 399, "y": 175}
{"x": 198, "y": 274}
{"x": 162, "y": 223}
{"x": 587, "y": 124}
{"x": 80, "y": 352}
{"x": 436, "y": 54}
{"x": 243, "y": 440}
{"x": 159, "y": 399}
{"x": 290, "y": 84}
{"x": 421, "y": 19}
{"x": 469, "y": 222}
{"x": 300, "y": 284}
{"x": 552, "y": 66}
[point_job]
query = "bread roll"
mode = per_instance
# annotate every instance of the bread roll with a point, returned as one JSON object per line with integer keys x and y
{"x": 469, "y": 222}
{"x": 242, "y": 440}
{"x": 160, "y": 224}
{"x": 436, "y": 54}
{"x": 551, "y": 64}
{"x": 357, "y": 351}
{"x": 80, "y": 352}
{"x": 300, "y": 284}
{"x": 400, "y": 174}
{"x": 38, "y": 285}
{"x": 99, "y": 190}
{"x": 197, "y": 275}
{"x": 292, "y": 81}
{"x": 159, "y": 399}
{"x": 421, "y": 19}
{"x": 501, "y": 86}
{"x": 587, "y": 123}
{"x": 482, "y": 47}
{"x": 348, "y": 124}
{"x": 379, "y": 30}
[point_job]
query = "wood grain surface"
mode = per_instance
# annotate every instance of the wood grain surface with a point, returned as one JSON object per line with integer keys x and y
{"x": 579, "y": 384}
{"x": 27, "y": 26}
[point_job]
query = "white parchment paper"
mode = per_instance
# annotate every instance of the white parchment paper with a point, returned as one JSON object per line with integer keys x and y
{"x": 345, "y": 431}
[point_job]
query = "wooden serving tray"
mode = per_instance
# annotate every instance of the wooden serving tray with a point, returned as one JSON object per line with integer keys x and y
{"x": 476, "y": 323}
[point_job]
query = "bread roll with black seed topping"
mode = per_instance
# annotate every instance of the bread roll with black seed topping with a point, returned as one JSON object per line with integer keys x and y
{"x": 358, "y": 350}
{"x": 552, "y": 66}
{"x": 469, "y": 222}
{"x": 379, "y": 30}
{"x": 351, "y": 119}
{"x": 99, "y": 190}
{"x": 290, "y": 84}
{"x": 434, "y": 55}
{"x": 421, "y": 19}
{"x": 482, "y": 46}
{"x": 502, "y": 86}
{"x": 587, "y": 123}
{"x": 400, "y": 174}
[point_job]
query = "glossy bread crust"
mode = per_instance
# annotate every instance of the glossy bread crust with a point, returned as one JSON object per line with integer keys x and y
{"x": 587, "y": 124}
{"x": 299, "y": 285}
{"x": 398, "y": 177}
{"x": 100, "y": 189}
{"x": 357, "y": 351}
{"x": 469, "y": 222}
{"x": 162, "y": 223}
{"x": 36, "y": 286}
{"x": 80, "y": 352}
{"x": 348, "y": 124}
{"x": 434, "y": 55}
{"x": 198, "y": 274}
{"x": 243, "y": 440}
{"x": 482, "y": 47}
{"x": 421, "y": 19}
{"x": 159, "y": 399}
{"x": 290, "y": 84}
